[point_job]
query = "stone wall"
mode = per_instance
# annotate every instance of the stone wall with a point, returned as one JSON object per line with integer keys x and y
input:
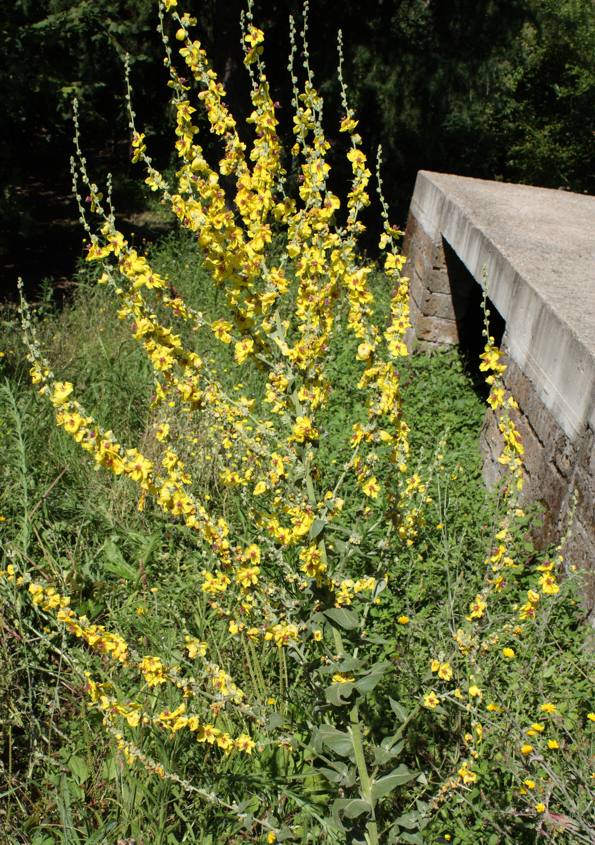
{"x": 535, "y": 249}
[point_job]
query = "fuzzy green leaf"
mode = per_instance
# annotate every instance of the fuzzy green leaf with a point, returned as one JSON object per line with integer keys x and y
{"x": 385, "y": 785}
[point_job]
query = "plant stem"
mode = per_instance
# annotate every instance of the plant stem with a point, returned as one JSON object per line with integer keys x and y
{"x": 360, "y": 758}
{"x": 364, "y": 776}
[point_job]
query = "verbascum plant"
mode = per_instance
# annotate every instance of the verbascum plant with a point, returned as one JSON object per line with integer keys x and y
{"x": 292, "y": 550}
{"x": 284, "y": 568}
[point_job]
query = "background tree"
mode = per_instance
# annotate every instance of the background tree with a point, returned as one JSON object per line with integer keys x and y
{"x": 497, "y": 89}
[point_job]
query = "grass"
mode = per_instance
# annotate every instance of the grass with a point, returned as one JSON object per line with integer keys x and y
{"x": 61, "y": 780}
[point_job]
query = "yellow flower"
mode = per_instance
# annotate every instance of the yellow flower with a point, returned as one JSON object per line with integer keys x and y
{"x": 245, "y": 743}
{"x": 243, "y": 349}
{"x": 60, "y": 393}
{"x": 552, "y": 744}
{"x": 254, "y": 37}
{"x": 403, "y": 620}
{"x": 526, "y": 749}
{"x": 466, "y": 774}
{"x": 303, "y": 430}
{"x": 371, "y": 488}
{"x": 591, "y": 717}
{"x": 153, "y": 671}
{"x": 271, "y": 838}
{"x": 540, "y": 808}
{"x": 475, "y": 692}
{"x": 317, "y": 636}
{"x": 548, "y": 707}
{"x": 342, "y": 678}
{"x": 364, "y": 350}
{"x": 348, "y": 124}
{"x": 530, "y": 784}
{"x": 431, "y": 700}
{"x": 477, "y": 608}
{"x": 549, "y": 585}
{"x": 508, "y": 653}
{"x": 445, "y": 671}
{"x": 195, "y": 648}
{"x": 162, "y": 432}
{"x": 221, "y": 329}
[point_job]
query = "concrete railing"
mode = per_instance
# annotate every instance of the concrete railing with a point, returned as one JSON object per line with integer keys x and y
{"x": 536, "y": 249}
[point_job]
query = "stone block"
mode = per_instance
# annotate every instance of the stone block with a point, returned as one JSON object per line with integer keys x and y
{"x": 564, "y": 456}
{"x": 438, "y": 281}
{"x": 439, "y": 258}
{"x": 549, "y": 489}
{"x": 579, "y": 553}
{"x": 436, "y": 330}
{"x": 438, "y": 305}
{"x": 417, "y": 291}
{"x": 582, "y": 489}
{"x": 490, "y": 442}
{"x": 541, "y": 419}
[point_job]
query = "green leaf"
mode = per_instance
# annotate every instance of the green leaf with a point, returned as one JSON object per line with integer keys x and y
{"x": 367, "y": 682}
{"x": 351, "y": 808}
{"x": 316, "y": 528}
{"x": 114, "y": 562}
{"x": 331, "y": 775}
{"x": 275, "y": 720}
{"x": 387, "y": 750}
{"x": 412, "y": 838}
{"x": 356, "y": 807}
{"x": 347, "y": 664}
{"x": 342, "y": 617}
{"x": 339, "y": 694}
{"x": 338, "y": 741}
{"x": 398, "y": 709}
{"x": 109, "y": 769}
{"x": 386, "y": 784}
{"x": 79, "y": 769}
{"x": 408, "y": 820}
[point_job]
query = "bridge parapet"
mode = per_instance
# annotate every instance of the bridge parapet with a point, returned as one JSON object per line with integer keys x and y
{"x": 536, "y": 248}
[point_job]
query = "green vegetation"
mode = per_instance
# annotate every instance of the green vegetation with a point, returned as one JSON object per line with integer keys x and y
{"x": 63, "y": 782}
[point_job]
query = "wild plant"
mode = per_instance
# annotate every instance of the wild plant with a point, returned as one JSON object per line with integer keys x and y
{"x": 275, "y": 680}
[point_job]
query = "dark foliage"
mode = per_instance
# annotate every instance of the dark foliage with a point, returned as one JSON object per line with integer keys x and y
{"x": 498, "y": 89}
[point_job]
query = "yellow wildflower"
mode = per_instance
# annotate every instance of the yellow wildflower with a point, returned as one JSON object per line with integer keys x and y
{"x": 371, "y": 487}
{"x": 342, "y": 678}
{"x": 526, "y": 749}
{"x": 431, "y": 700}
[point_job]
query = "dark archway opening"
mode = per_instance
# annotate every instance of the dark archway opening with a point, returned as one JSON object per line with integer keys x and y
{"x": 467, "y": 298}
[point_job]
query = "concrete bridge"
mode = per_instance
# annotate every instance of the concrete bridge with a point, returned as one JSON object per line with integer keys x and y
{"x": 536, "y": 248}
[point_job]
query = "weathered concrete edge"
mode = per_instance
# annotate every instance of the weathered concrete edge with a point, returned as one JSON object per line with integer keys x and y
{"x": 543, "y": 345}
